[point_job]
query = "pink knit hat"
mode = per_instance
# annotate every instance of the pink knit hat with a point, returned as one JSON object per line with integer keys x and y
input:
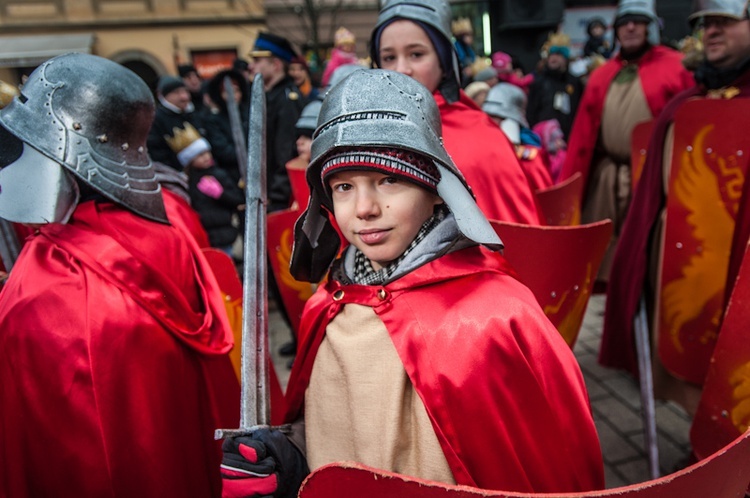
{"x": 501, "y": 61}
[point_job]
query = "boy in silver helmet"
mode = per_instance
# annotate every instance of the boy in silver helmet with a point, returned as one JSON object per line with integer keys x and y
{"x": 421, "y": 354}
{"x": 114, "y": 337}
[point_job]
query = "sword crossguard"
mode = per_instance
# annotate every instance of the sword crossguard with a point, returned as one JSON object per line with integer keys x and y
{"x": 227, "y": 433}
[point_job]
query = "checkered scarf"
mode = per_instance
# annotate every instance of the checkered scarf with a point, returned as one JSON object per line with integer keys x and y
{"x": 365, "y": 274}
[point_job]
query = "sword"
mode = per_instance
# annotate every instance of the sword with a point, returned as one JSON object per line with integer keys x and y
{"x": 643, "y": 351}
{"x": 254, "y": 403}
{"x": 240, "y": 147}
{"x": 9, "y": 245}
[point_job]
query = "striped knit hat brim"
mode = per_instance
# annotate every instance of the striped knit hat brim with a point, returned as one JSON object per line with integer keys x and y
{"x": 406, "y": 164}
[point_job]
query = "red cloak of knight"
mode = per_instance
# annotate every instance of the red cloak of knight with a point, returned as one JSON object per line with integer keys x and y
{"x": 504, "y": 394}
{"x": 662, "y": 76}
{"x": 114, "y": 372}
{"x": 487, "y": 159}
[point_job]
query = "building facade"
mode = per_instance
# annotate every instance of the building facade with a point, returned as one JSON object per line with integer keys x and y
{"x": 149, "y": 36}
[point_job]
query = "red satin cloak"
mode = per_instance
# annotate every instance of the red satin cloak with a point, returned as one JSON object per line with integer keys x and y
{"x": 503, "y": 391}
{"x": 113, "y": 372}
{"x": 630, "y": 263}
{"x": 487, "y": 159}
{"x": 183, "y": 216}
{"x": 662, "y": 76}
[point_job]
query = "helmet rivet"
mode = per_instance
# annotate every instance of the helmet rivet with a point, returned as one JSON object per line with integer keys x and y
{"x": 77, "y": 126}
{"x": 125, "y": 146}
{"x": 102, "y": 138}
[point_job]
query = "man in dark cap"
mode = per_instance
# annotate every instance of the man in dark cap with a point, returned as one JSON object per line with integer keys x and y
{"x": 175, "y": 108}
{"x": 284, "y": 102}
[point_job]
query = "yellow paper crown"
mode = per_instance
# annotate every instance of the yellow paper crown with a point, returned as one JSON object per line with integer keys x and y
{"x": 558, "y": 40}
{"x": 461, "y": 26}
{"x": 7, "y": 92}
{"x": 554, "y": 40}
{"x": 182, "y": 137}
{"x": 343, "y": 37}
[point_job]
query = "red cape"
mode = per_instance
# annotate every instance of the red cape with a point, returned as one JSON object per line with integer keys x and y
{"x": 504, "y": 392}
{"x": 183, "y": 216}
{"x": 662, "y": 76}
{"x": 113, "y": 374}
{"x": 630, "y": 263}
{"x": 487, "y": 159}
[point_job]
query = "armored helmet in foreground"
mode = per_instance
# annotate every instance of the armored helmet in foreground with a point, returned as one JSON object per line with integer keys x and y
{"x": 91, "y": 117}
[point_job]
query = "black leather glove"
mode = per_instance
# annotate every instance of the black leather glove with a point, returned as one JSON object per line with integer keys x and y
{"x": 265, "y": 463}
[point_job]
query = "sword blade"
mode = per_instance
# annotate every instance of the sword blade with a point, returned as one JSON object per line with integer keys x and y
{"x": 648, "y": 406}
{"x": 255, "y": 409}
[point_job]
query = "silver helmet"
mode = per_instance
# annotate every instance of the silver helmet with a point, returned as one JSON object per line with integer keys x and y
{"x": 645, "y": 8}
{"x": 434, "y": 13}
{"x": 308, "y": 119}
{"x": 736, "y": 9}
{"x": 378, "y": 108}
{"x": 340, "y": 73}
{"x": 92, "y": 117}
{"x": 507, "y": 101}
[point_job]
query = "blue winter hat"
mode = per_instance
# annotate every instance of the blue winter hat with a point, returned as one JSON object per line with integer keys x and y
{"x": 556, "y": 49}
{"x": 270, "y": 45}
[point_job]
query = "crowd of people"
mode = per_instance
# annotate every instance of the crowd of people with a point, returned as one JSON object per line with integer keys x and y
{"x": 421, "y": 352}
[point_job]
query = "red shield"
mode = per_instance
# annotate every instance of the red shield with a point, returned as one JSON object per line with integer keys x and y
{"x": 280, "y": 240}
{"x": 561, "y": 204}
{"x": 296, "y": 169}
{"x": 724, "y": 410}
{"x": 638, "y": 147}
{"x": 723, "y": 475}
{"x": 559, "y": 265}
{"x": 231, "y": 291}
{"x": 709, "y": 163}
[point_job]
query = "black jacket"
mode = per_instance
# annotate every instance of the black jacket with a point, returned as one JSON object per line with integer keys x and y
{"x": 542, "y": 93}
{"x": 216, "y": 214}
{"x": 284, "y": 103}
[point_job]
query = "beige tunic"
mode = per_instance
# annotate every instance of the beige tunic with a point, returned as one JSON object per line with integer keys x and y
{"x": 608, "y": 190}
{"x": 361, "y": 406}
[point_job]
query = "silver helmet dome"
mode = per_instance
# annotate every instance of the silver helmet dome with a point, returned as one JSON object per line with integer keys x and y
{"x": 736, "y": 9}
{"x": 92, "y": 117}
{"x": 645, "y": 8}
